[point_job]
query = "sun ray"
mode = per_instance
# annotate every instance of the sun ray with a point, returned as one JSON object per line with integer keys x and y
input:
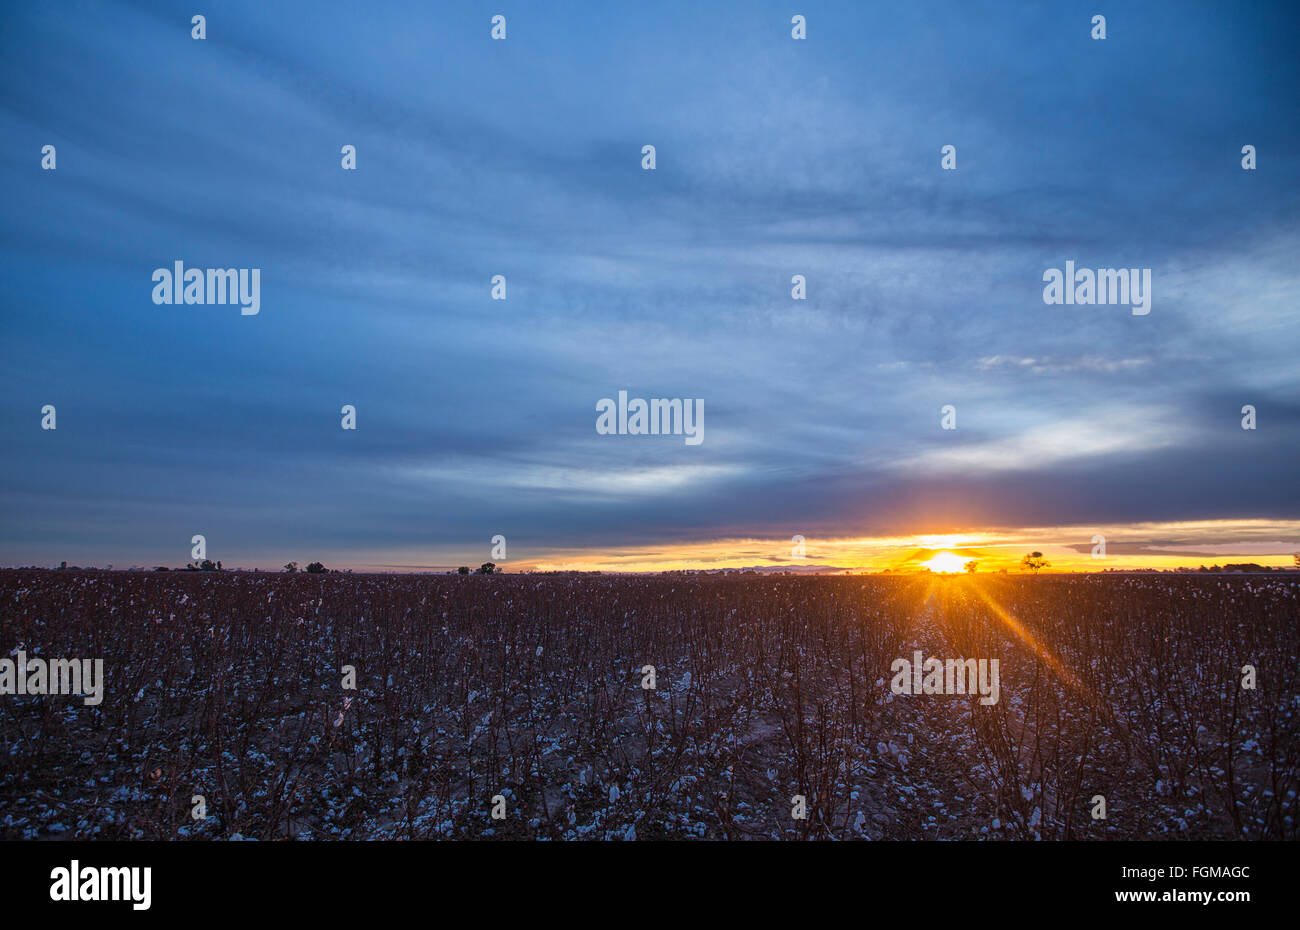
{"x": 1027, "y": 637}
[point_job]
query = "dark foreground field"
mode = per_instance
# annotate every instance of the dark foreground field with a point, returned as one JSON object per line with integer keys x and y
{"x": 229, "y": 685}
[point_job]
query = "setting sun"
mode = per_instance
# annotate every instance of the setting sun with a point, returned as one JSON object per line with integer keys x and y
{"x": 946, "y": 562}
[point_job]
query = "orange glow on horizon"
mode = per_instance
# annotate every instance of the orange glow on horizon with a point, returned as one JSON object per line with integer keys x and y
{"x": 1187, "y": 544}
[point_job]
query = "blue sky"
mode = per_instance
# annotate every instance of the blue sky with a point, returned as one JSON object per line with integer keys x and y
{"x": 775, "y": 157}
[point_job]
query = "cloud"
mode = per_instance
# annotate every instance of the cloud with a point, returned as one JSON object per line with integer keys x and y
{"x": 522, "y": 159}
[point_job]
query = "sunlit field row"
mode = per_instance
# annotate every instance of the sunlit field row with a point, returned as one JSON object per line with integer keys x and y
{"x": 774, "y": 709}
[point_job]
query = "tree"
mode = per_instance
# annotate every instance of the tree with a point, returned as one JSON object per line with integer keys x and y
{"x": 208, "y": 565}
{"x": 487, "y": 568}
{"x": 970, "y": 566}
{"x": 463, "y": 570}
{"x": 1035, "y": 562}
{"x": 291, "y": 566}
{"x": 1296, "y": 559}
{"x": 316, "y": 568}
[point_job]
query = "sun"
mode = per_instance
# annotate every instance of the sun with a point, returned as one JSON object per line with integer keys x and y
{"x": 946, "y": 562}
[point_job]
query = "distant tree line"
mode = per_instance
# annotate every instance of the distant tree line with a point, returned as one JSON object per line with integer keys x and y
{"x": 313, "y": 568}
{"x": 487, "y": 568}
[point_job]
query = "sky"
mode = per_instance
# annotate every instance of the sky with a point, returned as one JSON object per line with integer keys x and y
{"x": 774, "y": 157}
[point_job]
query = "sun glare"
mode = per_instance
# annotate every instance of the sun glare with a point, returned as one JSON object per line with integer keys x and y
{"x": 945, "y": 562}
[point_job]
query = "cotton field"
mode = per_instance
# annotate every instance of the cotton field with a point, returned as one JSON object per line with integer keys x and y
{"x": 257, "y": 706}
